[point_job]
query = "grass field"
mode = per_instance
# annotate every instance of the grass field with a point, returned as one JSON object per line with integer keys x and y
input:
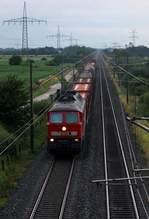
{"x": 40, "y": 68}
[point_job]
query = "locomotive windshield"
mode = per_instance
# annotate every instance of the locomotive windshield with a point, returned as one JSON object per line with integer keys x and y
{"x": 71, "y": 118}
{"x": 56, "y": 118}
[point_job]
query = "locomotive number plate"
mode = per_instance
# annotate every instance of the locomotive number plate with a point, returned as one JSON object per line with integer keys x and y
{"x": 64, "y": 133}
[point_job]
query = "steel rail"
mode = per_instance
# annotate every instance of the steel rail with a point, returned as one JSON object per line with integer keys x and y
{"x": 134, "y": 161}
{"x": 42, "y": 191}
{"x": 66, "y": 192}
{"x": 122, "y": 150}
{"x": 134, "y": 164}
{"x": 105, "y": 153}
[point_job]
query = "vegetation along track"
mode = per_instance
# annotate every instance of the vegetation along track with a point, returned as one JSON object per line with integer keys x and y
{"x": 53, "y": 195}
{"x": 120, "y": 198}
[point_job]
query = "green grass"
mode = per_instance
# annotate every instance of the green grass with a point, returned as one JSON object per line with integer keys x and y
{"x": 40, "y": 69}
{"x": 143, "y": 141}
{"x": 13, "y": 173}
{"x": 17, "y": 167}
{"x": 3, "y": 132}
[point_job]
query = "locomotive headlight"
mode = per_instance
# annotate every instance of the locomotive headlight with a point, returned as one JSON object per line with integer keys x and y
{"x": 64, "y": 128}
{"x": 52, "y": 139}
{"x": 76, "y": 139}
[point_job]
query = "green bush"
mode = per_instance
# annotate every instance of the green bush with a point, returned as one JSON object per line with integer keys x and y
{"x": 43, "y": 59}
{"x": 143, "y": 107}
{"x": 13, "y": 102}
{"x": 39, "y": 106}
{"x": 15, "y": 60}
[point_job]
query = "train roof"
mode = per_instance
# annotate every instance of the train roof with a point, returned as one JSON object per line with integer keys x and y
{"x": 82, "y": 87}
{"x": 71, "y": 101}
{"x": 86, "y": 74}
{"x": 83, "y": 81}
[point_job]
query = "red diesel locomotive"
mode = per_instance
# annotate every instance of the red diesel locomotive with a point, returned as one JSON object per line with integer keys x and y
{"x": 68, "y": 117}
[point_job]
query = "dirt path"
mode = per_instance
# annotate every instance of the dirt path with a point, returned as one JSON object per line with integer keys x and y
{"x": 53, "y": 88}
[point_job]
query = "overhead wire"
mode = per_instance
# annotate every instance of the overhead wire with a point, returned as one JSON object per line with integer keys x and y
{"x": 22, "y": 127}
{"x": 132, "y": 75}
{"x": 18, "y": 136}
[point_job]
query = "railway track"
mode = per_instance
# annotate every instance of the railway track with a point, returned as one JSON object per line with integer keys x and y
{"x": 141, "y": 185}
{"x": 52, "y": 198}
{"x": 120, "y": 198}
{"x": 142, "y": 190}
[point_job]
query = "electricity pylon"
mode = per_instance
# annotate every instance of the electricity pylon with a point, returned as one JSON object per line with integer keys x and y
{"x": 24, "y": 21}
{"x": 71, "y": 39}
{"x": 58, "y": 37}
{"x": 133, "y": 37}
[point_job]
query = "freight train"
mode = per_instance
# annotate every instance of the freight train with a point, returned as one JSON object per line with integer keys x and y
{"x": 67, "y": 119}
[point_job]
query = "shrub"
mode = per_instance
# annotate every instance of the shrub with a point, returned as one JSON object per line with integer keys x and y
{"x": 143, "y": 107}
{"x": 43, "y": 59}
{"x": 13, "y": 101}
{"x": 15, "y": 60}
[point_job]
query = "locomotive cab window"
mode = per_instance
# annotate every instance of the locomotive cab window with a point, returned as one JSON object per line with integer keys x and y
{"x": 56, "y": 118}
{"x": 71, "y": 117}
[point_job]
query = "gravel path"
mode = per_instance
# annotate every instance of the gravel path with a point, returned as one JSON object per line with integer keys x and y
{"x": 53, "y": 88}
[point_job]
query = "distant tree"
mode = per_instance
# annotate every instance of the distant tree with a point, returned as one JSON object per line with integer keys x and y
{"x": 13, "y": 102}
{"x": 15, "y": 60}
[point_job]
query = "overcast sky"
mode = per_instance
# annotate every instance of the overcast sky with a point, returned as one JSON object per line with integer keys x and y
{"x": 96, "y": 23}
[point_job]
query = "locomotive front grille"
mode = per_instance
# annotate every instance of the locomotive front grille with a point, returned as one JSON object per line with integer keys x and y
{"x": 59, "y": 133}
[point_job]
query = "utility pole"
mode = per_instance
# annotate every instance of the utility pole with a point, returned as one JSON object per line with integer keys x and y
{"x": 127, "y": 90}
{"x": 31, "y": 110}
{"x": 24, "y": 21}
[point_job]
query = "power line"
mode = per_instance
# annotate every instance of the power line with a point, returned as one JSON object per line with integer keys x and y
{"x": 18, "y": 136}
{"x": 24, "y": 21}
{"x": 133, "y": 76}
{"x": 23, "y": 126}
